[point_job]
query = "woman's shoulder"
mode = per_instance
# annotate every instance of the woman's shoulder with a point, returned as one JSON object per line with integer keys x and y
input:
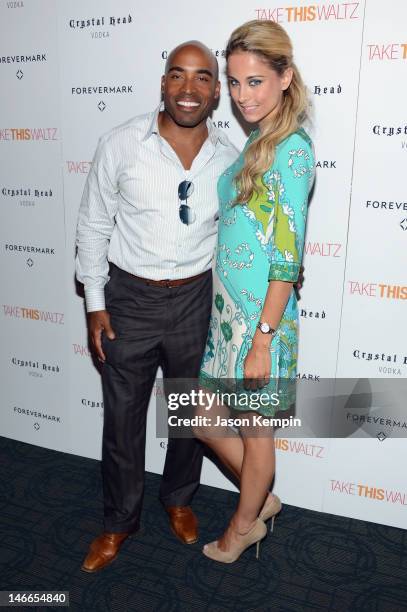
{"x": 295, "y": 156}
{"x": 296, "y": 139}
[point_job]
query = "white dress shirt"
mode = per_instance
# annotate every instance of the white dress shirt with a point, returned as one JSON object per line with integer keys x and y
{"x": 129, "y": 210}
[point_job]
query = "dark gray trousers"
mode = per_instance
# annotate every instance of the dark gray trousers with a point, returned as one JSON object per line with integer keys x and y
{"x": 154, "y": 326}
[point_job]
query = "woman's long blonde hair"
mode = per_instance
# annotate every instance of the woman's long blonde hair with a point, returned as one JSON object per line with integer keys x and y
{"x": 272, "y": 44}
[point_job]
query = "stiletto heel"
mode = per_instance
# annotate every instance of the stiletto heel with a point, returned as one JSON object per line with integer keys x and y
{"x": 254, "y": 536}
{"x": 272, "y": 524}
{"x": 271, "y": 510}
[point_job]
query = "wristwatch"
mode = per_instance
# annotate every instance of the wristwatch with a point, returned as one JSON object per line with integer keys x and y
{"x": 265, "y": 328}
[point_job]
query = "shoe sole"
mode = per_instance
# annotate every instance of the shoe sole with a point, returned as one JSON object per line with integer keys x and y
{"x": 99, "y": 569}
{"x": 181, "y": 540}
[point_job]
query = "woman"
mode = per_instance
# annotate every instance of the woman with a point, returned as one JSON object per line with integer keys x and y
{"x": 253, "y": 331}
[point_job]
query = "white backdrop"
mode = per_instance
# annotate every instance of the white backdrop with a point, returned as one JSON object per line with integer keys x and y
{"x": 56, "y": 59}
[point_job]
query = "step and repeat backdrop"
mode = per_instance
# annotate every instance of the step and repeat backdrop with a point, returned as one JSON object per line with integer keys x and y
{"x": 72, "y": 70}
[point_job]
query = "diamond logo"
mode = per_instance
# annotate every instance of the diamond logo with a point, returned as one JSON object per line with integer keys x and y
{"x": 403, "y": 225}
{"x": 19, "y": 74}
{"x": 101, "y": 106}
{"x": 30, "y": 263}
{"x": 36, "y": 426}
{"x": 381, "y": 436}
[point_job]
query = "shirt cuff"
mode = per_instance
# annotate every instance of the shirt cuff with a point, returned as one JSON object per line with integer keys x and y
{"x": 95, "y": 299}
{"x": 284, "y": 271}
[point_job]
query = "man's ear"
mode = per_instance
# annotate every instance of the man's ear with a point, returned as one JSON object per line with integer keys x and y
{"x": 162, "y": 84}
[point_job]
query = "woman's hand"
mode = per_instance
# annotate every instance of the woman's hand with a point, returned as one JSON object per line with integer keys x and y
{"x": 257, "y": 365}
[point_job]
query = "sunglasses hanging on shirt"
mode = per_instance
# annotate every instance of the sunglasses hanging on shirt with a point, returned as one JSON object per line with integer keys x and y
{"x": 186, "y": 214}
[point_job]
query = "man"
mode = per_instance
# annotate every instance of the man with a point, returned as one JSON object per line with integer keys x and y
{"x": 150, "y": 209}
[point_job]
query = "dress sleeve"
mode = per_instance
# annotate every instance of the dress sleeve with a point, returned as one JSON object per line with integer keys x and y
{"x": 289, "y": 182}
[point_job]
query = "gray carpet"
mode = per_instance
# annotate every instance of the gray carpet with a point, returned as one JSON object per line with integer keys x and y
{"x": 51, "y": 508}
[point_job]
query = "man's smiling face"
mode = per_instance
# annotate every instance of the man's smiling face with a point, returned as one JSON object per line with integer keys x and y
{"x": 190, "y": 85}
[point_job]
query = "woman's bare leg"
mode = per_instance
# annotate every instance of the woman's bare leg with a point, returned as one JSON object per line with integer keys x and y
{"x": 251, "y": 458}
{"x": 224, "y": 441}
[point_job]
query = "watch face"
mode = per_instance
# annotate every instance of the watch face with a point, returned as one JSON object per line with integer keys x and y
{"x": 265, "y": 328}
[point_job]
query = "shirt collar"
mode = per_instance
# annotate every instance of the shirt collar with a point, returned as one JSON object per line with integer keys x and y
{"x": 214, "y": 134}
{"x": 152, "y": 127}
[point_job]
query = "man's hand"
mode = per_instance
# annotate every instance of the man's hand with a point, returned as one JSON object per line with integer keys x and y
{"x": 98, "y": 322}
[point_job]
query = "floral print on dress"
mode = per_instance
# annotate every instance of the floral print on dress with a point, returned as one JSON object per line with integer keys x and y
{"x": 259, "y": 241}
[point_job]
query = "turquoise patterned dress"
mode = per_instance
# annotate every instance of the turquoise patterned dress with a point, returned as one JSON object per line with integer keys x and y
{"x": 259, "y": 241}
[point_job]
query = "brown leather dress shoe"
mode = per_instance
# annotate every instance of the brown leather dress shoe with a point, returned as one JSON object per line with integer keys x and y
{"x": 103, "y": 550}
{"x": 183, "y": 523}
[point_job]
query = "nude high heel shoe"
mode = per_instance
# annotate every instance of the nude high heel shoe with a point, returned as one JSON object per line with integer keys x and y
{"x": 270, "y": 510}
{"x": 254, "y": 536}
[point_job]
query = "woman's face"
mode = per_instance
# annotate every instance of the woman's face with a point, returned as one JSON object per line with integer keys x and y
{"x": 256, "y": 89}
